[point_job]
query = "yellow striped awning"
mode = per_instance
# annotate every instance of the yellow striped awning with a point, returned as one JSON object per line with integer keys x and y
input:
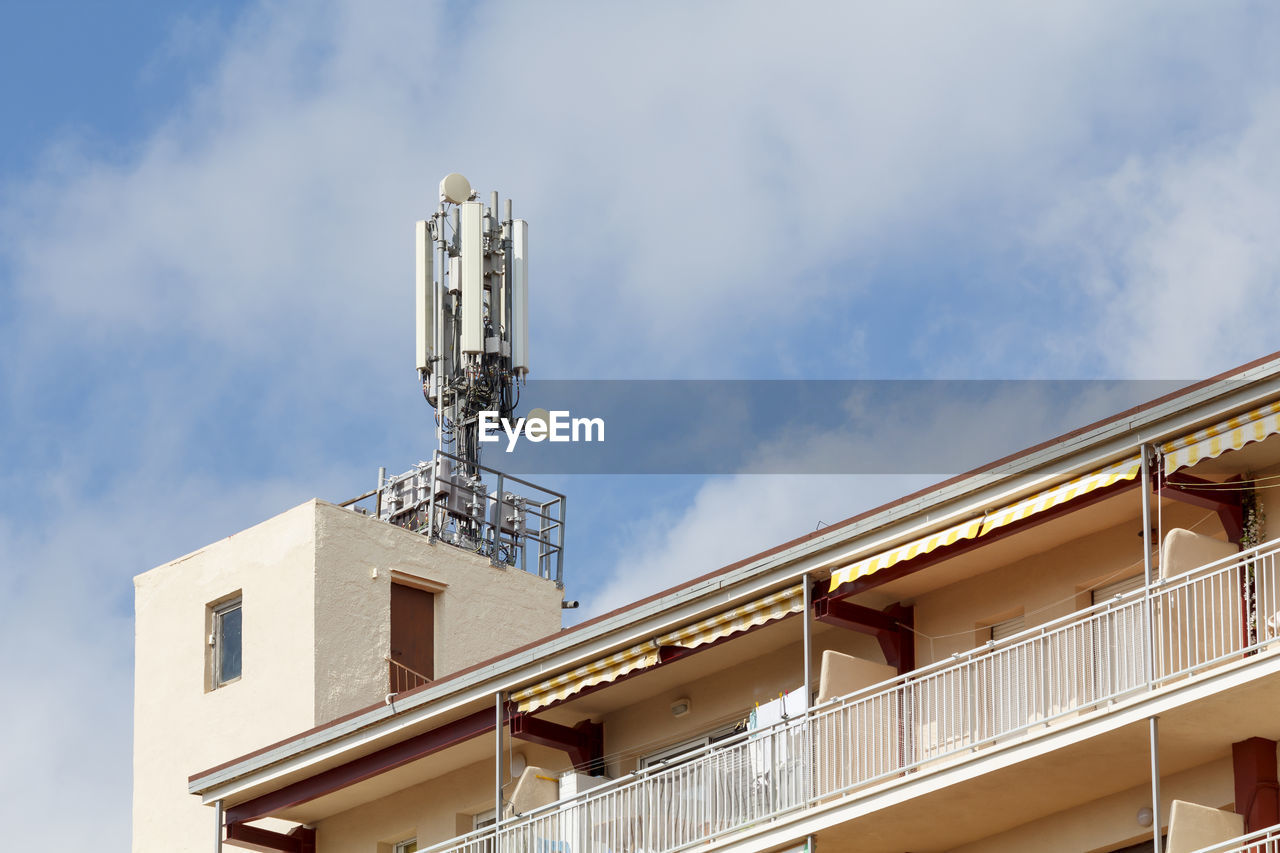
{"x": 1231, "y": 434}
{"x": 1126, "y": 469}
{"x": 597, "y": 672}
{"x": 759, "y": 612}
{"x": 767, "y": 609}
{"x": 1063, "y": 492}
{"x": 923, "y": 545}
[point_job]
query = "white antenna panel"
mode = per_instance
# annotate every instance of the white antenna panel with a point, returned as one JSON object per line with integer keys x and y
{"x": 520, "y": 296}
{"x": 424, "y": 290}
{"x": 472, "y": 285}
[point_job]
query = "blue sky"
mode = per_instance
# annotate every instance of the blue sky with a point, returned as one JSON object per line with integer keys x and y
{"x": 205, "y": 257}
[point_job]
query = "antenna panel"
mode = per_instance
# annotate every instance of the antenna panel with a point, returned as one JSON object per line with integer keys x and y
{"x": 520, "y": 296}
{"x": 424, "y": 291}
{"x": 472, "y": 285}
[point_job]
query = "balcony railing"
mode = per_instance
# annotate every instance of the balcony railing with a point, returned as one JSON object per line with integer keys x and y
{"x": 994, "y": 693}
{"x": 401, "y": 678}
{"x": 1263, "y": 841}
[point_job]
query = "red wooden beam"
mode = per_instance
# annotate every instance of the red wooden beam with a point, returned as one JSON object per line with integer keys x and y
{"x": 1257, "y": 790}
{"x": 263, "y": 840}
{"x": 584, "y": 742}
{"x": 307, "y": 836}
{"x": 900, "y": 647}
{"x": 1206, "y": 494}
{"x": 365, "y": 767}
{"x": 892, "y": 627}
{"x": 946, "y": 552}
{"x": 855, "y": 617}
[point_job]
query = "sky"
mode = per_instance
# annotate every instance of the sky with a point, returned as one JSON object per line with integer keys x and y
{"x": 206, "y": 259}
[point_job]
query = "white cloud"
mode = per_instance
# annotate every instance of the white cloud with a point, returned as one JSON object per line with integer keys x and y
{"x": 210, "y": 322}
{"x": 690, "y": 173}
{"x": 731, "y": 518}
{"x": 1177, "y": 252}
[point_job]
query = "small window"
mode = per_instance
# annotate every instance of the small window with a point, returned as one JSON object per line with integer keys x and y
{"x": 677, "y": 749}
{"x": 1008, "y": 628}
{"x": 1105, "y": 593}
{"x": 408, "y": 846}
{"x": 226, "y": 641}
{"x": 484, "y": 820}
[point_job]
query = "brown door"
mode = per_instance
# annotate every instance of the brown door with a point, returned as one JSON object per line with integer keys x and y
{"x": 413, "y": 616}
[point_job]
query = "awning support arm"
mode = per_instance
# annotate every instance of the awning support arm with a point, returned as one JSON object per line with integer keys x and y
{"x": 1206, "y": 494}
{"x": 301, "y": 839}
{"x": 891, "y": 627}
{"x": 584, "y": 743}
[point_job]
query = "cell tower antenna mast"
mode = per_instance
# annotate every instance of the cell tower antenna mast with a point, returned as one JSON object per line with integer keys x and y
{"x": 472, "y": 324}
{"x": 472, "y": 314}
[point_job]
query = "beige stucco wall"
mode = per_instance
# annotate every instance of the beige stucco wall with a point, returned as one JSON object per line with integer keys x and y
{"x": 179, "y": 726}
{"x": 1111, "y": 821}
{"x": 843, "y": 674}
{"x": 316, "y": 586}
{"x": 481, "y": 611}
{"x": 1193, "y": 826}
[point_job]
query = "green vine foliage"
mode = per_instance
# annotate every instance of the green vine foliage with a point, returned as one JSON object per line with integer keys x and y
{"x": 1255, "y": 520}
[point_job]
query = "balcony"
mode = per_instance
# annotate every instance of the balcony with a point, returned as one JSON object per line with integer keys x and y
{"x": 941, "y": 715}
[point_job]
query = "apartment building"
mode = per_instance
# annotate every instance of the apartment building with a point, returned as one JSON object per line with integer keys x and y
{"x": 1074, "y": 648}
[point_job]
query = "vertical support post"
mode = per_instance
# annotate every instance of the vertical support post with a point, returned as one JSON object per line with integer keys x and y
{"x": 808, "y": 640}
{"x": 382, "y": 479}
{"x": 498, "y": 764}
{"x": 1157, "y": 844}
{"x": 431, "y": 498}
{"x": 497, "y": 526}
{"x": 807, "y": 616}
{"x": 1148, "y": 615}
{"x": 217, "y": 827}
{"x": 564, "y": 507}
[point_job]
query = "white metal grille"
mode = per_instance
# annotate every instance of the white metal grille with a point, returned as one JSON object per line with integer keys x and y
{"x": 936, "y": 713}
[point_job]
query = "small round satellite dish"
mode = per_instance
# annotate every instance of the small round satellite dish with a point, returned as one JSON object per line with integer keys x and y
{"x": 540, "y": 415}
{"x": 455, "y": 188}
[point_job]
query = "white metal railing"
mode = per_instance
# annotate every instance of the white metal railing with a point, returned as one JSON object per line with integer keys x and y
{"x": 1263, "y": 841}
{"x": 993, "y": 693}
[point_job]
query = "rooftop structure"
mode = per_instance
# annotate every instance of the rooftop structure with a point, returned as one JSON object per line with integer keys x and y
{"x": 1068, "y": 649}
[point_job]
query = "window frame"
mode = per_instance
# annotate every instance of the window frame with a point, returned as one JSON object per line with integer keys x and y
{"x": 1007, "y": 627}
{"x": 217, "y": 642}
{"x": 409, "y": 845}
{"x": 673, "y": 751}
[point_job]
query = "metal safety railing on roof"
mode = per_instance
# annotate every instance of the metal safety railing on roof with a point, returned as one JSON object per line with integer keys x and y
{"x": 1263, "y": 841}
{"x": 510, "y": 520}
{"x": 932, "y": 716}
